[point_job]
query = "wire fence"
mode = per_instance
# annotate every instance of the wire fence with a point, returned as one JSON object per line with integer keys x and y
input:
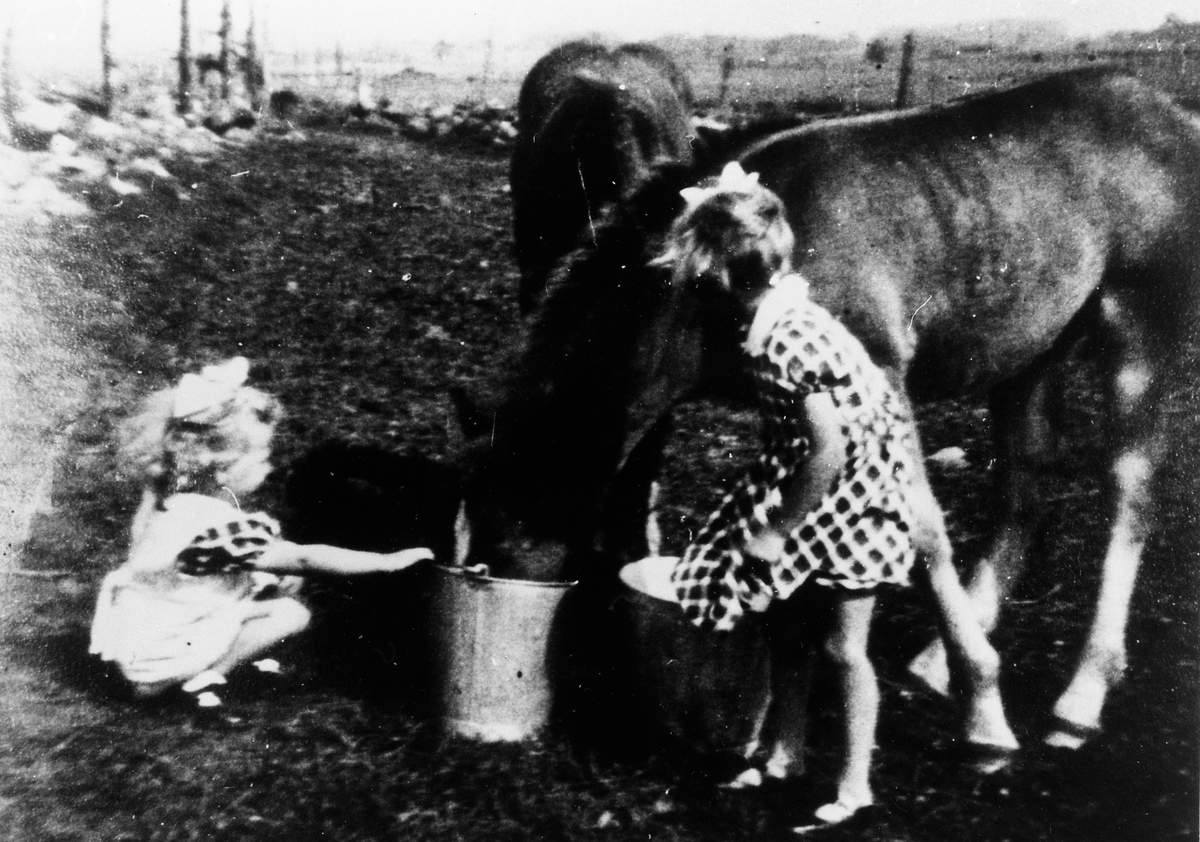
{"x": 844, "y": 76}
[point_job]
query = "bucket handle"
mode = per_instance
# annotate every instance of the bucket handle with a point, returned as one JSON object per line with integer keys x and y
{"x": 478, "y": 571}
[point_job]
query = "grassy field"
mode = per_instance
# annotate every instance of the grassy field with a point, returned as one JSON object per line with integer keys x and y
{"x": 830, "y": 79}
{"x": 825, "y": 76}
{"x": 937, "y": 75}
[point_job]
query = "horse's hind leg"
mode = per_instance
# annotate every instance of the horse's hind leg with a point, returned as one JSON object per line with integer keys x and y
{"x": 1135, "y": 398}
{"x": 1024, "y": 419}
{"x": 976, "y": 664}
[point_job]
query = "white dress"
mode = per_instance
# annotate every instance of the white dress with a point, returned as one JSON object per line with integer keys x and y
{"x": 160, "y": 624}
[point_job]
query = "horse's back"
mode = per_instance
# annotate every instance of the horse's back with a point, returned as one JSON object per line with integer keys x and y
{"x": 644, "y": 69}
{"x": 976, "y": 231}
{"x": 663, "y": 66}
{"x": 545, "y": 82}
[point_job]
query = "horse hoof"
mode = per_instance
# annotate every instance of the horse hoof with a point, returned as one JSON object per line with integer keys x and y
{"x": 1069, "y": 735}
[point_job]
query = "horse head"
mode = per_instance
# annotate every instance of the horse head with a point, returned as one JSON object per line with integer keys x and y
{"x": 608, "y": 354}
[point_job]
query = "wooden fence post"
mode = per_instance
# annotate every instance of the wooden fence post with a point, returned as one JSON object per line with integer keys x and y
{"x": 484, "y": 77}
{"x": 184, "y": 101}
{"x": 726, "y": 72}
{"x": 906, "y": 58}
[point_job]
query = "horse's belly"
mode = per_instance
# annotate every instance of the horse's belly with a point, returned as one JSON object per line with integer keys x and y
{"x": 971, "y": 345}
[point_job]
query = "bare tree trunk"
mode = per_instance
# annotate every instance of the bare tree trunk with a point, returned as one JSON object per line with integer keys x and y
{"x": 106, "y": 62}
{"x": 265, "y": 62}
{"x": 224, "y": 32}
{"x": 184, "y": 103}
{"x": 906, "y": 58}
{"x": 253, "y": 69}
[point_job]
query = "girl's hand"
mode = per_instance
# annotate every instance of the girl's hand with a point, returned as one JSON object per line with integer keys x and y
{"x": 767, "y": 544}
{"x": 405, "y": 558}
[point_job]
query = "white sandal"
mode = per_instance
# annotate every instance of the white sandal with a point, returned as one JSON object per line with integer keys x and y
{"x": 832, "y": 813}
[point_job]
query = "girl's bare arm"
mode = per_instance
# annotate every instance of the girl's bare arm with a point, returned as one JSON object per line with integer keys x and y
{"x": 286, "y": 557}
{"x": 827, "y": 452}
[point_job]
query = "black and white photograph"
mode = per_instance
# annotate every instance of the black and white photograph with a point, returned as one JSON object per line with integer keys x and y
{"x": 599, "y": 421}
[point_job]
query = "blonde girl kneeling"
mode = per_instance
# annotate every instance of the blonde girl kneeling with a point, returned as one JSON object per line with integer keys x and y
{"x": 201, "y": 590}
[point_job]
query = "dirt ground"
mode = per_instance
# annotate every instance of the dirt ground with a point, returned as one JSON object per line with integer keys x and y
{"x": 45, "y": 368}
{"x": 364, "y": 275}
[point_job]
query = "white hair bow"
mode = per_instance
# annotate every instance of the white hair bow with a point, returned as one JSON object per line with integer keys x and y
{"x": 202, "y": 398}
{"x": 733, "y": 178}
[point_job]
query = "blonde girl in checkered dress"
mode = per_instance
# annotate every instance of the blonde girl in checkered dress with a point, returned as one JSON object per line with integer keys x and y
{"x": 833, "y": 498}
{"x": 200, "y": 591}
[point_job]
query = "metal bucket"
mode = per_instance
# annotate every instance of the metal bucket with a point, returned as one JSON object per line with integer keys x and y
{"x": 491, "y": 640}
{"x": 708, "y": 690}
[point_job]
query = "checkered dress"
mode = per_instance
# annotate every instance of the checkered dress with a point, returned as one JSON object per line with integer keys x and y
{"x": 229, "y": 547}
{"x": 858, "y": 536}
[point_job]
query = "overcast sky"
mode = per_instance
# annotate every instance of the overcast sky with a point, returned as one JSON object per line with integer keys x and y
{"x": 67, "y": 28}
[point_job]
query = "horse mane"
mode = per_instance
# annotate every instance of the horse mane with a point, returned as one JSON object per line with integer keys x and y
{"x": 613, "y": 265}
{"x": 716, "y": 146}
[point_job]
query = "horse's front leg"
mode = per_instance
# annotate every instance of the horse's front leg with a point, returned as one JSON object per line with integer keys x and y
{"x": 1135, "y": 417}
{"x": 1024, "y": 424}
{"x": 629, "y": 528}
{"x": 793, "y": 634}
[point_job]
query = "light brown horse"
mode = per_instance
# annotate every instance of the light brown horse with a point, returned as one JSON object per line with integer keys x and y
{"x": 969, "y": 246}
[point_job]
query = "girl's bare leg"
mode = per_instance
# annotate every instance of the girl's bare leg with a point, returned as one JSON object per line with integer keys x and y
{"x": 149, "y": 690}
{"x": 847, "y": 649}
{"x": 264, "y": 624}
{"x": 277, "y": 620}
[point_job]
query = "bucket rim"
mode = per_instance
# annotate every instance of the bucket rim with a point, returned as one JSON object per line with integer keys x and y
{"x": 472, "y": 575}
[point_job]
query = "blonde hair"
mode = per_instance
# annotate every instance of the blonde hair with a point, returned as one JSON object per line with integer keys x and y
{"x": 733, "y": 230}
{"x": 230, "y": 450}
